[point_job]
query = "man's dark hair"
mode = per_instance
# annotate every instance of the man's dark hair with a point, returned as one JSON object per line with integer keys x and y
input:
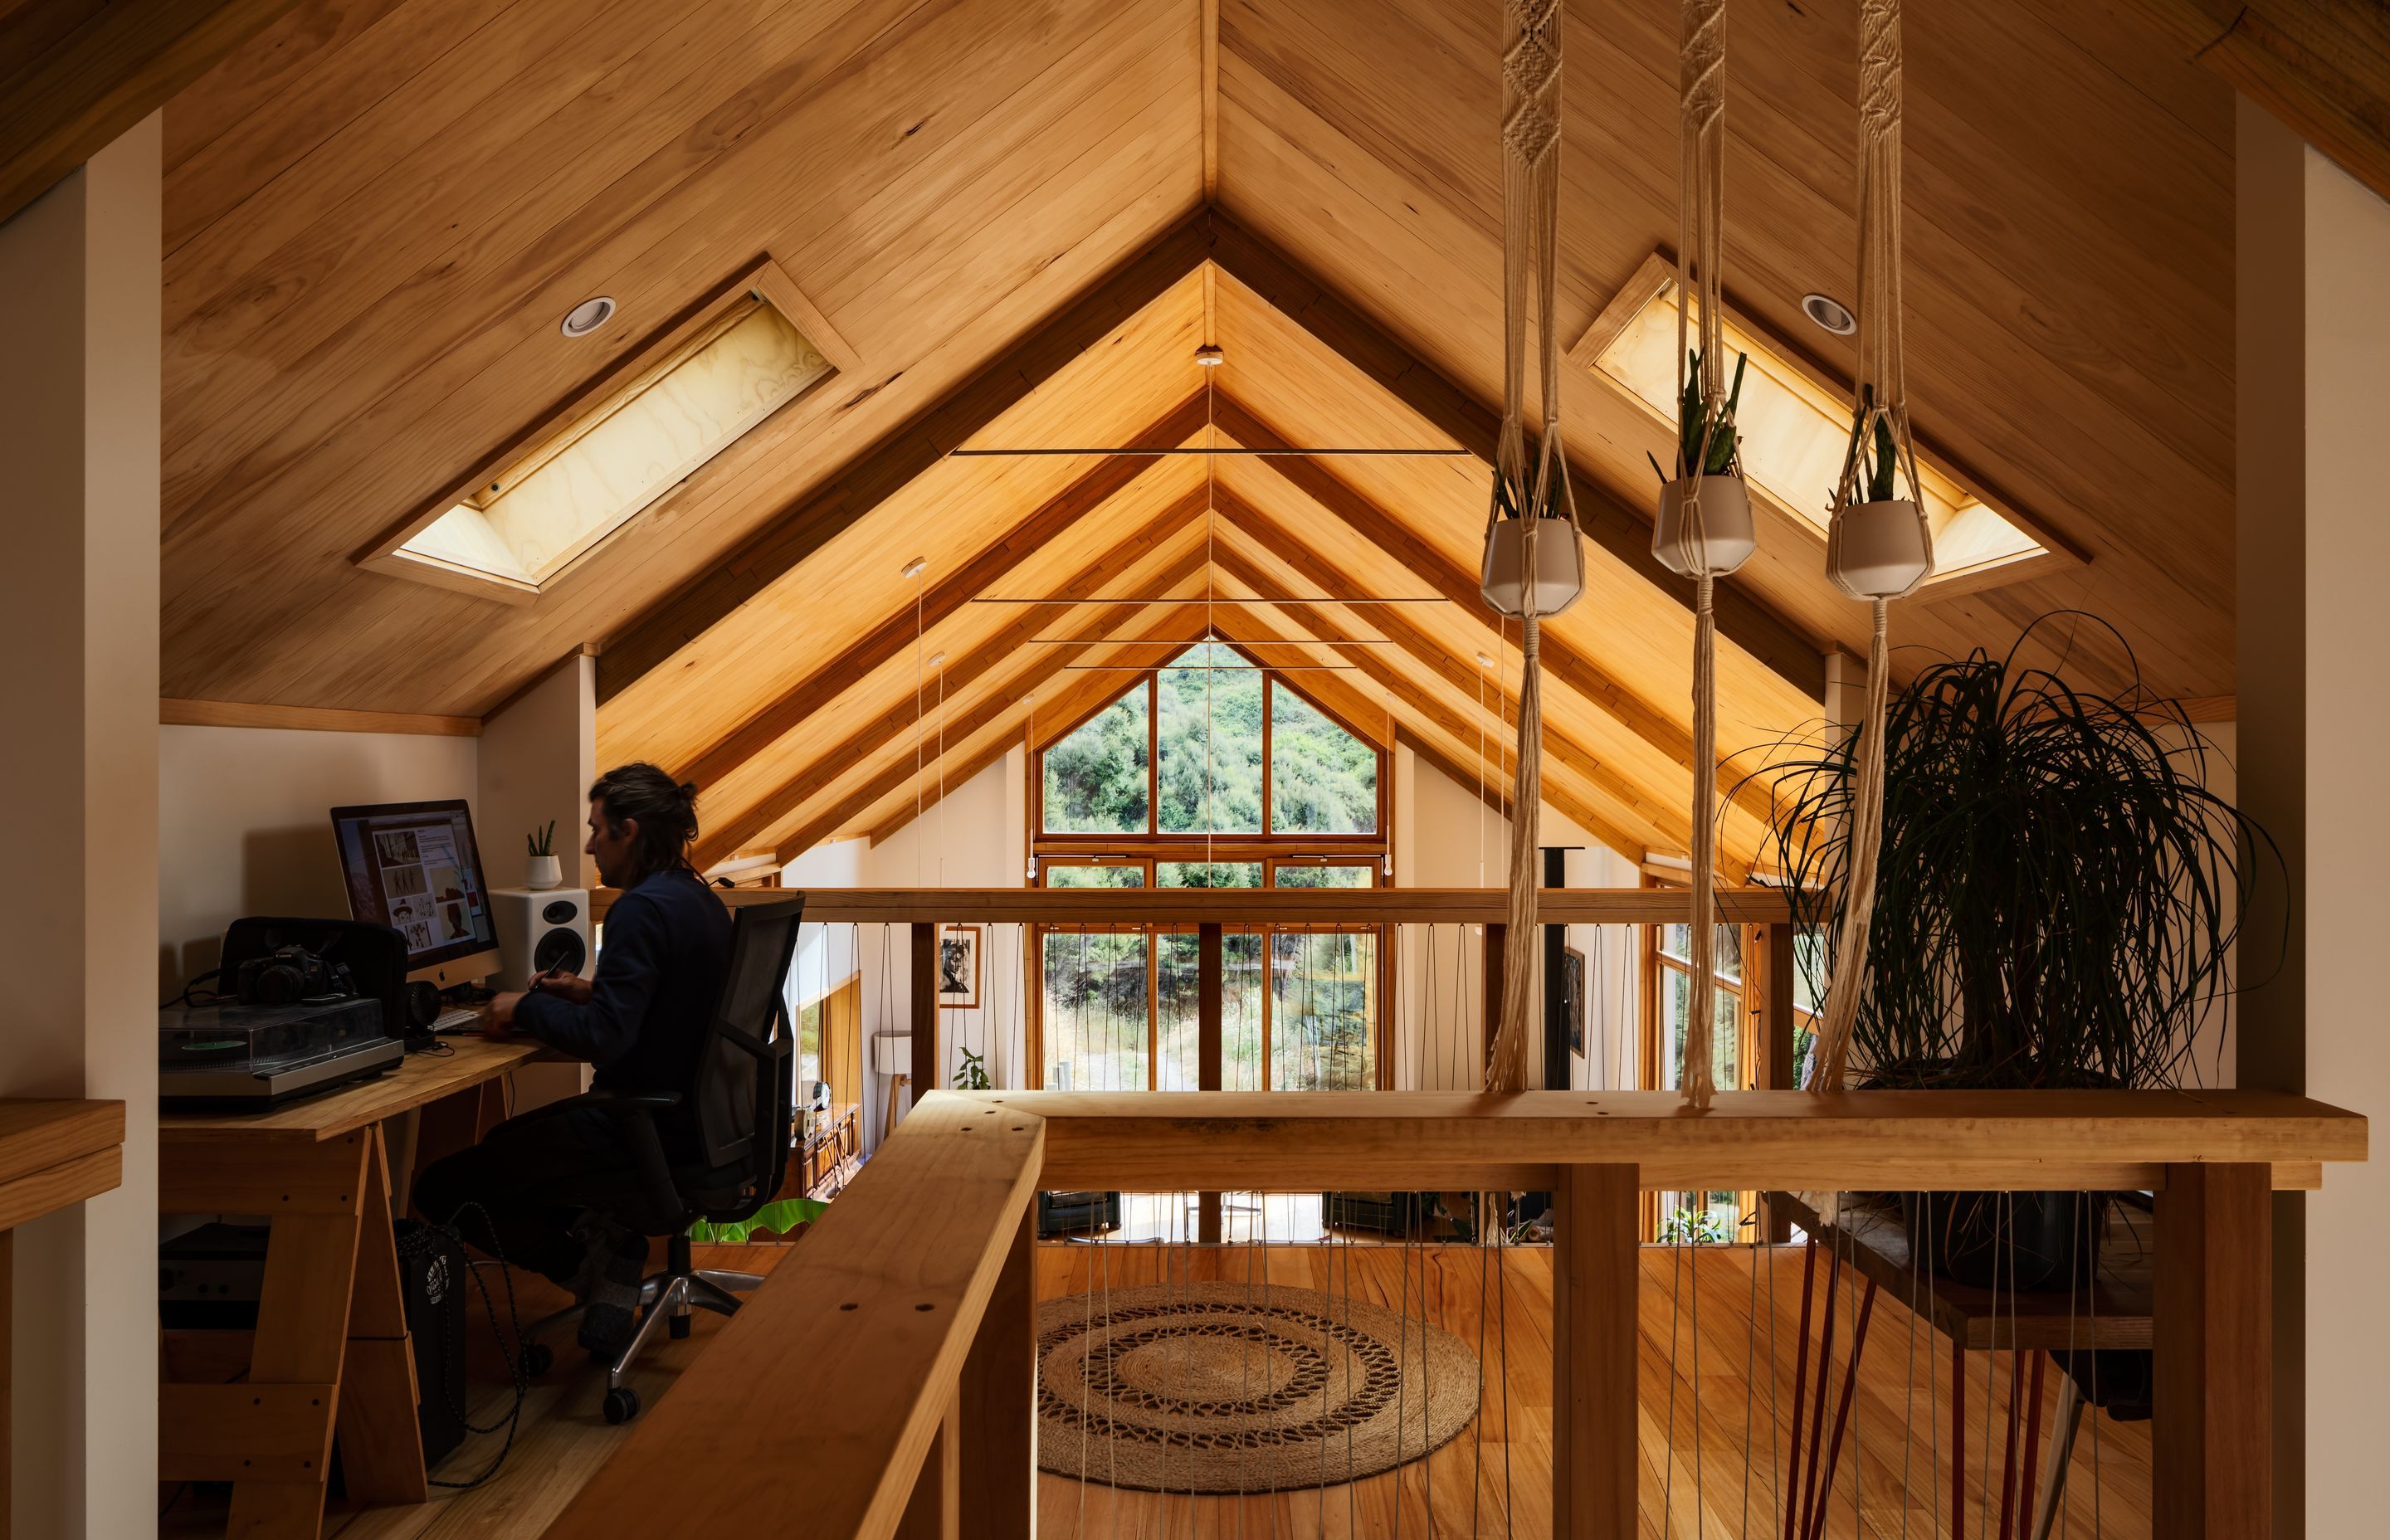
{"x": 665, "y": 810}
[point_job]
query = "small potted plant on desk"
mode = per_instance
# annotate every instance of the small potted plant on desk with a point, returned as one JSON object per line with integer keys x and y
{"x": 543, "y": 871}
{"x": 2056, "y": 899}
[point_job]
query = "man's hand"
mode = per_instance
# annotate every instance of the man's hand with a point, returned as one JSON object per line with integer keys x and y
{"x": 567, "y": 987}
{"x": 500, "y": 1019}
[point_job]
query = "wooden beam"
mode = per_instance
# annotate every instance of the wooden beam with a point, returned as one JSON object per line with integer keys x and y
{"x": 1249, "y": 906}
{"x": 1008, "y": 699}
{"x": 2211, "y": 1311}
{"x": 317, "y": 719}
{"x": 806, "y": 525}
{"x": 1594, "y": 1326}
{"x": 66, "y": 104}
{"x": 2320, "y": 66}
{"x": 998, "y": 1402}
{"x": 825, "y": 767}
{"x": 1048, "y": 522}
{"x": 1742, "y": 618}
{"x": 1573, "y": 667}
{"x": 924, "y": 989}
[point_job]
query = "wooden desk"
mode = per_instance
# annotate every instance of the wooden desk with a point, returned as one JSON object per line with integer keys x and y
{"x": 53, "y": 1155}
{"x": 330, "y": 1350}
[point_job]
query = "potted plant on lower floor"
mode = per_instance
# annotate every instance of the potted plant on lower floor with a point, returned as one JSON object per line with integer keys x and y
{"x": 2057, "y": 900}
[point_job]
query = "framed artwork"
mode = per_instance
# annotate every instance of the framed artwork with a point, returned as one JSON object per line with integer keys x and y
{"x": 958, "y": 965}
{"x": 1572, "y": 997}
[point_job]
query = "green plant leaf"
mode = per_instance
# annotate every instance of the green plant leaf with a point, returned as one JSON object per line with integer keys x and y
{"x": 779, "y": 1217}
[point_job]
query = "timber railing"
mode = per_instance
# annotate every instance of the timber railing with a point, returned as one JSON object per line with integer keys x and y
{"x": 882, "y": 1380}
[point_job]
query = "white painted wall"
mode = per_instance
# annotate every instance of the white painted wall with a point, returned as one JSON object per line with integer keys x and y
{"x": 79, "y": 432}
{"x": 244, "y": 823}
{"x": 536, "y": 759}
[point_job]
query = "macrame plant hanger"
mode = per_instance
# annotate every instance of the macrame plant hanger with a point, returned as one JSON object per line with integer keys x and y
{"x": 1704, "y": 530}
{"x": 1535, "y": 559}
{"x": 1878, "y": 548}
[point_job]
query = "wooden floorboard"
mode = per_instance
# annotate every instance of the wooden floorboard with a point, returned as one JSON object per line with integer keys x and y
{"x": 1494, "y": 1479}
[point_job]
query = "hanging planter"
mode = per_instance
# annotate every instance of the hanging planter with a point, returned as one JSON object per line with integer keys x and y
{"x": 1704, "y": 523}
{"x": 1878, "y": 545}
{"x": 1559, "y": 567}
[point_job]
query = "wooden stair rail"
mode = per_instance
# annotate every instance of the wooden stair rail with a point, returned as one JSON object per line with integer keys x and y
{"x": 913, "y": 1292}
{"x": 1755, "y": 906}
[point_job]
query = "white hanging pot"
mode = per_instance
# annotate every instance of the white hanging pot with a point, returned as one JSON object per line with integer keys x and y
{"x": 1879, "y": 550}
{"x": 1559, "y": 567}
{"x": 1728, "y": 540}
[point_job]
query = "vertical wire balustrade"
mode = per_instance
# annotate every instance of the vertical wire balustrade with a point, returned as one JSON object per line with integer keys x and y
{"x": 1559, "y": 1361}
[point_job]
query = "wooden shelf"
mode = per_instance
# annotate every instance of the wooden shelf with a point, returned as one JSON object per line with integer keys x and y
{"x": 56, "y": 1153}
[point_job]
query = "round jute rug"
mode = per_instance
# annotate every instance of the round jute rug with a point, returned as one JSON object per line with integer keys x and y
{"x": 1225, "y": 1387}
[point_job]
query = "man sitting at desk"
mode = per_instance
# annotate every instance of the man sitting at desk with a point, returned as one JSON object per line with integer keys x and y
{"x": 539, "y": 1195}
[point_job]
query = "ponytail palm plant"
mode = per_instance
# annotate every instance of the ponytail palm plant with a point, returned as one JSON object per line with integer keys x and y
{"x": 2058, "y": 891}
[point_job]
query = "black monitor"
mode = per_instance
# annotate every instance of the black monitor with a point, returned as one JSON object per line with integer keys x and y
{"x": 413, "y": 868}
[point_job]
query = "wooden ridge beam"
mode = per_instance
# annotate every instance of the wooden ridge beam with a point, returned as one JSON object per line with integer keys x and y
{"x": 895, "y": 777}
{"x": 2320, "y": 66}
{"x": 1626, "y": 534}
{"x": 1422, "y": 703}
{"x": 64, "y": 105}
{"x": 1050, "y": 521}
{"x": 825, "y": 767}
{"x": 1573, "y": 667}
{"x": 806, "y": 525}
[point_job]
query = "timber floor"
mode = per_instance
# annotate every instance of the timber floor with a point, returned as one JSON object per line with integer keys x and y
{"x": 561, "y": 1439}
{"x": 1495, "y": 1477}
{"x": 1461, "y": 1490}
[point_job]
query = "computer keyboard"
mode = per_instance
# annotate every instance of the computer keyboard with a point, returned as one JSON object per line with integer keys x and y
{"x": 458, "y": 1019}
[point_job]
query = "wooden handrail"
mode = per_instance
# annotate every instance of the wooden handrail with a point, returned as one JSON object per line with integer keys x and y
{"x": 1251, "y": 905}
{"x": 815, "y": 1410}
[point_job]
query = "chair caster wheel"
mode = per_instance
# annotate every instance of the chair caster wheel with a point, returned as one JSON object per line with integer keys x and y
{"x": 621, "y": 1405}
{"x": 537, "y": 1359}
{"x": 677, "y": 1326}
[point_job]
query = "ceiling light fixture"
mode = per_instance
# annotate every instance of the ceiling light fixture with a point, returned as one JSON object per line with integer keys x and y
{"x": 1831, "y": 313}
{"x": 916, "y": 566}
{"x": 1209, "y": 356}
{"x": 588, "y": 317}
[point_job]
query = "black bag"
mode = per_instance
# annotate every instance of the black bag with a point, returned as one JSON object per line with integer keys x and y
{"x": 432, "y": 1273}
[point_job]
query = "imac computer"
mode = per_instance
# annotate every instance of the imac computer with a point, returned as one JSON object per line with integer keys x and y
{"x": 413, "y": 868}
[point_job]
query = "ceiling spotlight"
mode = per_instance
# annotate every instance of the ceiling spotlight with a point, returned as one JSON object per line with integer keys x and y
{"x": 937, "y": 660}
{"x": 1832, "y": 315}
{"x": 1209, "y": 356}
{"x": 916, "y": 566}
{"x": 1484, "y": 661}
{"x": 588, "y": 317}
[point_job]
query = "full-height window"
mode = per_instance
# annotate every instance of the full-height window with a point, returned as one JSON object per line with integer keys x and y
{"x": 1211, "y": 772}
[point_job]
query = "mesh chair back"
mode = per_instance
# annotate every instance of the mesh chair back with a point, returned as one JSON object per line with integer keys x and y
{"x": 744, "y": 1091}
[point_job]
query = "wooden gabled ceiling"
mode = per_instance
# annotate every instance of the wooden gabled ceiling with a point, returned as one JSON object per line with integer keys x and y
{"x": 377, "y": 211}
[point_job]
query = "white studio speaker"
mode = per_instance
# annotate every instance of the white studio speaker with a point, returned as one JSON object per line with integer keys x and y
{"x": 539, "y": 931}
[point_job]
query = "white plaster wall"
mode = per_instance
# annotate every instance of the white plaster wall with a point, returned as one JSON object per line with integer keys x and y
{"x": 79, "y": 432}
{"x": 245, "y": 825}
{"x": 2347, "y": 745}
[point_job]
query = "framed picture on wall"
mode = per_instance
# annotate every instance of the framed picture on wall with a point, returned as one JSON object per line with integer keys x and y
{"x": 1572, "y": 997}
{"x": 958, "y": 964}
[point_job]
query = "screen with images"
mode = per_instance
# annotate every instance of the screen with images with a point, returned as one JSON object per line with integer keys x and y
{"x": 413, "y": 866}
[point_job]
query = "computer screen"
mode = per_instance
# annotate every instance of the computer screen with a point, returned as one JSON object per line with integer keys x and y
{"x": 413, "y": 866}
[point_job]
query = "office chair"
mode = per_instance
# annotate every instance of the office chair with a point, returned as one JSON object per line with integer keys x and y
{"x": 744, "y": 1103}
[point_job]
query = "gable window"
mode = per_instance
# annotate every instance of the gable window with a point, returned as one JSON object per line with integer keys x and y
{"x": 1210, "y": 772}
{"x": 527, "y": 515}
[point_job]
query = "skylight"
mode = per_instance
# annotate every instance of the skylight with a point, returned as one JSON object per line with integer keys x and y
{"x": 556, "y": 495}
{"x": 1794, "y": 427}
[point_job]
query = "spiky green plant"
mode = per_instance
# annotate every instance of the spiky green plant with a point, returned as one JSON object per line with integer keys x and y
{"x": 2057, "y": 892}
{"x": 543, "y": 841}
{"x": 1695, "y": 419}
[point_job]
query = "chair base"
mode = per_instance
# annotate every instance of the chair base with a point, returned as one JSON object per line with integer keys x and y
{"x": 668, "y": 1297}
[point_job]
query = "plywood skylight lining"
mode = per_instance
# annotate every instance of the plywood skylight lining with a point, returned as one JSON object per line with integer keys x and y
{"x": 1793, "y": 424}
{"x": 561, "y": 488}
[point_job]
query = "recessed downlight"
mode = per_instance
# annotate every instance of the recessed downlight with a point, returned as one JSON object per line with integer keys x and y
{"x": 1831, "y": 313}
{"x": 588, "y": 317}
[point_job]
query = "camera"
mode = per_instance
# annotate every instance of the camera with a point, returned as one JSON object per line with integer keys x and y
{"x": 288, "y": 974}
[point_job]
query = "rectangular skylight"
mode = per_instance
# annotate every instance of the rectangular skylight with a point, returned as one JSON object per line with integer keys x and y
{"x": 530, "y": 513}
{"x": 1794, "y": 428}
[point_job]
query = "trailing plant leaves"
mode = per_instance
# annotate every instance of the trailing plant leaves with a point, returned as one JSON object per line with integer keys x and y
{"x": 780, "y": 1216}
{"x": 2057, "y": 891}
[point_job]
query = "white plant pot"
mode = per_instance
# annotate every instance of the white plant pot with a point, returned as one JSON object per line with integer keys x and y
{"x": 543, "y": 872}
{"x": 1559, "y": 563}
{"x": 1728, "y": 540}
{"x": 1879, "y": 550}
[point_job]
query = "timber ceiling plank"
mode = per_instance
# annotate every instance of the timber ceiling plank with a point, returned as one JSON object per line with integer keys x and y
{"x": 802, "y": 528}
{"x": 1475, "y": 427}
{"x": 973, "y": 579}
